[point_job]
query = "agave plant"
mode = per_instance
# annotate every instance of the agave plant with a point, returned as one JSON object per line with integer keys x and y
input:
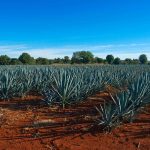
{"x": 107, "y": 116}
{"x": 8, "y": 84}
{"x": 124, "y": 106}
{"x": 64, "y": 85}
{"x": 42, "y": 79}
{"x": 140, "y": 91}
{"x": 50, "y": 97}
{"x": 26, "y": 84}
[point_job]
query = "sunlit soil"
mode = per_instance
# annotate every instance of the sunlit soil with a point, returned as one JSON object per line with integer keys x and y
{"x": 28, "y": 124}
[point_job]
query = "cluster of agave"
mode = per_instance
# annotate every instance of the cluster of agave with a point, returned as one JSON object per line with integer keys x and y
{"x": 72, "y": 85}
{"x": 126, "y": 104}
{"x": 65, "y": 85}
{"x": 19, "y": 81}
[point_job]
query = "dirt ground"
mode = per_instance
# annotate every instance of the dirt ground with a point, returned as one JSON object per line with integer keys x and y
{"x": 28, "y": 124}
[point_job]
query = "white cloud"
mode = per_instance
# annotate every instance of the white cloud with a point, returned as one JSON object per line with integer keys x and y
{"x": 124, "y": 55}
{"x": 131, "y": 50}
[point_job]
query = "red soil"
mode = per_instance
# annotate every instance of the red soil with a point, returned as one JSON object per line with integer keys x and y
{"x": 27, "y": 124}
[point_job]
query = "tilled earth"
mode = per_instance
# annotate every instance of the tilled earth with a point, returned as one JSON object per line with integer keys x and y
{"x": 28, "y": 124}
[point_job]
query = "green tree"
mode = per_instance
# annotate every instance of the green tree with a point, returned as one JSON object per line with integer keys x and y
{"x": 110, "y": 59}
{"x": 128, "y": 61}
{"x": 82, "y": 57}
{"x": 15, "y": 61}
{"x": 66, "y": 60}
{"x": 117, "y": 61}
{"x": 143, "y": 59}
{"x": 99, "y": 60}
{"x": 50, "y": 61}
{"x": 26, "y": 59}
{"x": 135, "y": 61}
{"x": 58, "y": 61}
{"x": 42, "y": 61}
{"x": 4, "y": 60}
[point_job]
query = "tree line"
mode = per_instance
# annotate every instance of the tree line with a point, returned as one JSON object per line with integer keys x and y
{"x": 80, "y": 57}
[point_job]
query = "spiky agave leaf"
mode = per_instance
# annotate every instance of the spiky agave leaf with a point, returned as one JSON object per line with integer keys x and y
{"x": 124, "y": 106}
{"x": 64, "y": 85}
{"x": 50, "y": 97}
{"x": 140, "y": 91}
{"x": 107, "y": 116}
{"x": 8, "y": 84}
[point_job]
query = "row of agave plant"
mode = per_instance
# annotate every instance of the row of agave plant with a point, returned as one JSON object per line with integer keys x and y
{"x": 64, "y": 85}
{"x": 126, "y": 104}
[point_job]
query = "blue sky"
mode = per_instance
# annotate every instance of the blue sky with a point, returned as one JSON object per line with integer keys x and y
{"x": 55, "y": 28}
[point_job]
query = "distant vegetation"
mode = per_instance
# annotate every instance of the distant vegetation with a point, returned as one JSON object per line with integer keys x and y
{"x": 80, "y": 57}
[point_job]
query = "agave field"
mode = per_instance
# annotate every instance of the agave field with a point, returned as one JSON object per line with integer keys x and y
{"x": 72, "y": 84}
